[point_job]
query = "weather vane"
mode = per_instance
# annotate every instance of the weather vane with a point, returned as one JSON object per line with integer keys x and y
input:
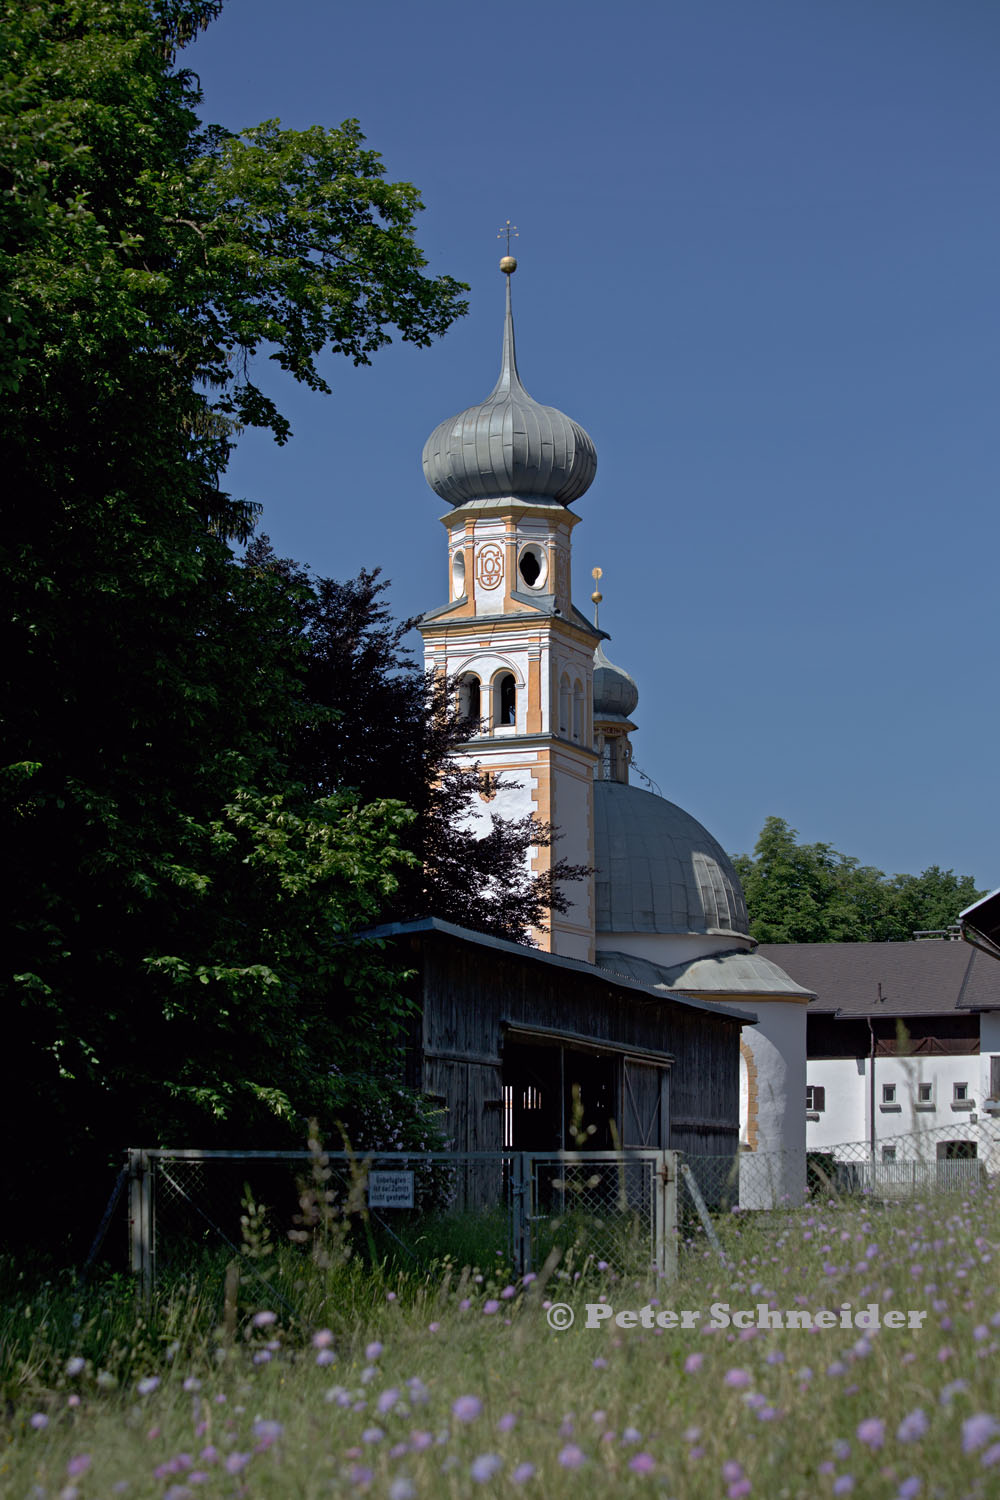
{"x": 508, "y": 230}
{"x": 507, "y": 262}
{"x": 596, "y": 596}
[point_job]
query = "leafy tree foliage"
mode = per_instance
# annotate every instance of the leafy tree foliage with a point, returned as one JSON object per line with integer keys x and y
{"x": 372, "y": 721}
{"x": 183, "y": 901}
{"x": 809, "y": 893}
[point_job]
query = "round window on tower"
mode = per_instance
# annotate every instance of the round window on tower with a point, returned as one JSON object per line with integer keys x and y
{"x": 533, "y": 565}
{"x": 458, "y": 573}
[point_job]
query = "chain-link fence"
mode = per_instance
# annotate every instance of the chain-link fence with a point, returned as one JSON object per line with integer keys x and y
{"x": 409, "y": 1208}
{"x": 947, "y": 1159}
{"x": 631, "y": 1209}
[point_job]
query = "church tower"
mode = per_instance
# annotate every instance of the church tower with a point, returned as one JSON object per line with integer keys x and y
{"x": 522, "y": 654}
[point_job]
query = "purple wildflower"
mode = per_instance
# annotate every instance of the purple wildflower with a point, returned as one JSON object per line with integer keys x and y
{"x": 373, "y": 1350}
{"x": 643, "y": 1463}
{"x": 236, "y": 1462}
{"x": 843, "y": 1484}
{"x": 402, "y": 1489}
{"x": 872, "y": 1433}
{"x": 522, "y": 1474}
{"x": 485, "y": 1466}
{"x": 491, "y": 1305}
{"x": 467, "y": 1408}
{"x": 693, "y": 1363}
{"x": 737, "y": 1378}
{"x": 913, "y": 1426}
{"x": 78, "y": 1465}
{"x": 976, "y": 1431}
{"x": 572, "y": 1457}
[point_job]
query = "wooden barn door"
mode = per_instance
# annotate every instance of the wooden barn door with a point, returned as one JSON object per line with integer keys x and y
{"x": 645, "y": 1104}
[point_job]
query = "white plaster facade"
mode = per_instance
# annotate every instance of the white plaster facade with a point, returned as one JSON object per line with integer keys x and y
{"x": 957, "y": 1086}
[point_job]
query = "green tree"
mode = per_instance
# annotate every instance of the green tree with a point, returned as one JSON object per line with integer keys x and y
{"x": 182, "y": 902}
{"x": 810, "y": 893}
{"x": 374, "y": 722}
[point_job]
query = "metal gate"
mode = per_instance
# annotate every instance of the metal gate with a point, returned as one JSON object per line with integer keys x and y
{"x": 613, "y": 1206}
{"x": 618, "y": 1206}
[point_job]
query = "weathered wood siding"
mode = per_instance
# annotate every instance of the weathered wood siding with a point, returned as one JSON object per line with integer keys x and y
{"x": 470, "y": 993}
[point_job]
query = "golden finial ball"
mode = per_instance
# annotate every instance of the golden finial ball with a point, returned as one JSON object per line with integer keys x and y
{"x": 508, "y": 265}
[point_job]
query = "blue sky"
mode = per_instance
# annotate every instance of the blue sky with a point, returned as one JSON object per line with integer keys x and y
{"x": 758, "y": 262}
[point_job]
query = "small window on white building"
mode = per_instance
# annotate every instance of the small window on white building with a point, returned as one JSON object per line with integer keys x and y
{"x": 925, "y": 1096}
{"x": 815, "y": 1098}
{"x": 888, "y": 1153}
{"x": 888, "y": 1093}
{"x": 578, "y": 710}
{"x": 960, "y": 1096}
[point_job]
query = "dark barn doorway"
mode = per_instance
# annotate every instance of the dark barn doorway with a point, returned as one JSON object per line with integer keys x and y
{"x": 549, "y": 1088}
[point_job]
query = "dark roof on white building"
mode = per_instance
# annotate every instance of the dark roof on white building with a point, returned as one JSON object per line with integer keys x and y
{"x": 928, "y": 977}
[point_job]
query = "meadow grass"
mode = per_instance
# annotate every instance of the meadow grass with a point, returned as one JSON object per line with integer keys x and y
{"x": 447, "y": 1380}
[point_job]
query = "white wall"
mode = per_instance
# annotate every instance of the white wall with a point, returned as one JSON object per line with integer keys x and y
{"x": 778, "y": 1047}
{"x": 847, "y": 1114}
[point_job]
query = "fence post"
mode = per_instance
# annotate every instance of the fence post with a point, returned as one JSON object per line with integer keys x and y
{"x": 140, "y": 1222}
{"x": 522, "y": 1209}
{"x": 666, "y": 1215}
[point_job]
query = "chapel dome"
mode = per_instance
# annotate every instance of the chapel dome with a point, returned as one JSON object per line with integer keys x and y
{"x": 509, "y": 445}
{"x": 615, "y": 692}
{"x": 658, "y": 870}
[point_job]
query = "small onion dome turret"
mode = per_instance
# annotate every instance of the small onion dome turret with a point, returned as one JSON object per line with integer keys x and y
{"x": 510, "y": 445}
{"x": 615, "y": 692}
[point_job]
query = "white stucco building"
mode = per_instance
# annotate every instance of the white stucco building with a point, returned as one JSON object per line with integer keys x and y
{"x": 903, "y": 1048}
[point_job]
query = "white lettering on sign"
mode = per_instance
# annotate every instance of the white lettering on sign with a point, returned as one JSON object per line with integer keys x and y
{"x": 390, "y": 1189}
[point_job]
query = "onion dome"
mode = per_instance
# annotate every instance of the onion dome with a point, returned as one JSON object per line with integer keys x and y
{"x": 510, "y": 445}
{"x": 615, "y": 692}
{"x": 658, "y": 870}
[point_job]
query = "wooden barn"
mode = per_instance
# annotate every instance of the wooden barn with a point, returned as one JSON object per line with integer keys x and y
{"x": 505, "y": 1035}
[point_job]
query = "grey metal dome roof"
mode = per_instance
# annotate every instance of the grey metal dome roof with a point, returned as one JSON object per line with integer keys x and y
{"x": 615, "y": 692}
{"x": 509, "y": 445}
{"x": 658, "y": 869}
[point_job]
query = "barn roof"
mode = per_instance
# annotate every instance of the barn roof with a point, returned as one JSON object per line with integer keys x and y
{"x": 575, "y": 965}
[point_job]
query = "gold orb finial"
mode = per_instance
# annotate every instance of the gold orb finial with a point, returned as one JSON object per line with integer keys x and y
{"x": 596, "y": 596}
{"x": 508, "y": 265}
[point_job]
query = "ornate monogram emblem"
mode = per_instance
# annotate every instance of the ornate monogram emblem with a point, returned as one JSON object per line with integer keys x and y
{"x": 489, "y": 565}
